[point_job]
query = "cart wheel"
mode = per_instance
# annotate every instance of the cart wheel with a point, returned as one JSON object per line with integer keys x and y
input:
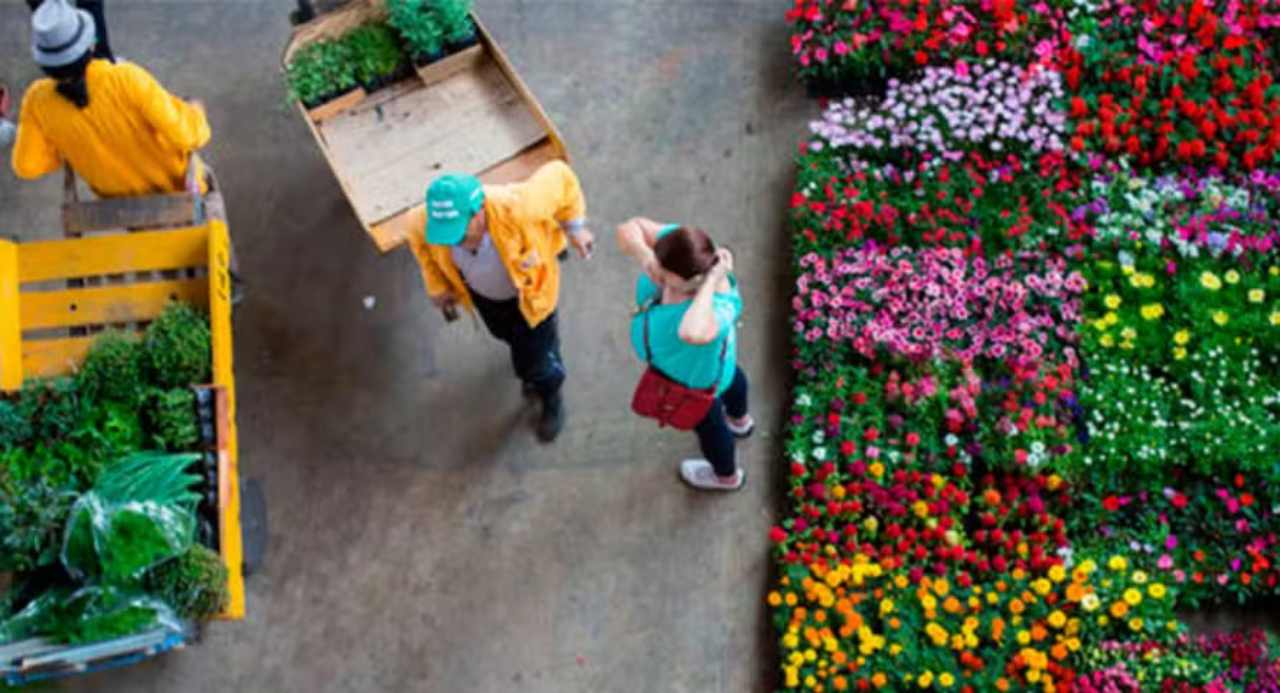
{"x": 253, "y": 525}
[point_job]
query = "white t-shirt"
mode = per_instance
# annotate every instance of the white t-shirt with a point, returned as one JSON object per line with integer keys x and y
{"x": 483, "y": 271}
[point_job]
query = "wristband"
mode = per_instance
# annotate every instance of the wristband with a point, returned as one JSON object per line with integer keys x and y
{"x": 573, "y": 225}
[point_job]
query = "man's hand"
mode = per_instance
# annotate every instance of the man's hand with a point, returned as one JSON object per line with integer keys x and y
{"x": 584, "y": 242}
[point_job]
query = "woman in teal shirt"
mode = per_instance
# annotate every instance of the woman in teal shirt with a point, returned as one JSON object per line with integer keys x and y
{"x": 693, "y": 305}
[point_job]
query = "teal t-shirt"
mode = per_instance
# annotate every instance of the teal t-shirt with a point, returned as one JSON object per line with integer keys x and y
{"x": 688, "y": 364}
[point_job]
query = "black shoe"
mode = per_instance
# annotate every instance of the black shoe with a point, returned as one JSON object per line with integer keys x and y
{"x": 552, "y": 420}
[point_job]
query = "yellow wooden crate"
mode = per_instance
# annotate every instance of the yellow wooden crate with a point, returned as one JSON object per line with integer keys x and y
{"x": 36, "y": 307}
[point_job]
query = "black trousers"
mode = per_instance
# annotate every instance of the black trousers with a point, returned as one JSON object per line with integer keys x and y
{"x": 93, "y": 7}
{"x": 714, "y": 436}
{"x": 535, "y": 351}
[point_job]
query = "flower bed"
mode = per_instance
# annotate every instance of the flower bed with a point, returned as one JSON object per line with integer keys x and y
{"x": 1036, "y": 330}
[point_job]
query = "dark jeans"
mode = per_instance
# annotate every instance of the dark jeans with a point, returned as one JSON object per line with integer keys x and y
{"x": 93, "y": 7}
{"x": 535, "y": 351}
{"x": 714, "y": 436}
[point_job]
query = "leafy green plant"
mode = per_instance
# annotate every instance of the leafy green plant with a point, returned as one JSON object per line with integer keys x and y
{"x": 418, "y": 26}
{"x": 54, "y": 407}
{"x": 376, "y": 53}
{"x": 178, "y": 347}
{"x": 455, "y": 20}
{"x": 113, "y": 369}
{"x": 171, "y": 419}
{"x": 321, "y": 71}
{"x": 32, "y": 515}
{"x": 194, "y": 584}
{"x": 15, "y": 428}
{"x": 86, "y": 615}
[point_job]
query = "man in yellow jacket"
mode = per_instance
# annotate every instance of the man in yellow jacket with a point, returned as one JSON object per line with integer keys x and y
{"x": 112, "y": 122}
{"x": 493, "y": 249}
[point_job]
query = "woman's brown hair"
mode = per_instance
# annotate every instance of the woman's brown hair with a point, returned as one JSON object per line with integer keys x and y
{"x": 686, "y": 252}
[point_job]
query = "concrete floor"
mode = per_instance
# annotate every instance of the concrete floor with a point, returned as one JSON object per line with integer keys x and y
{"x": 420, "y": 539}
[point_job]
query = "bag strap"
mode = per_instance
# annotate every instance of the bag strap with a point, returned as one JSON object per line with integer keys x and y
{"x": 648, "y": 351}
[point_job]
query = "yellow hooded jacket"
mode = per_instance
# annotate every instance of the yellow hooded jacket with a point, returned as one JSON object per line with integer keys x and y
{"x": 134, "y": 138}
{"x": 524, "y": 225}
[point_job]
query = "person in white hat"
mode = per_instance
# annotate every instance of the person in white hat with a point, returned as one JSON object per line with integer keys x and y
{"x": 102, "y": 48}
{"x": 113, "y": 123}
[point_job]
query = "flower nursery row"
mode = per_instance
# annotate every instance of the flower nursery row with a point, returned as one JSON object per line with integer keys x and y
{"x": 105, "y": 517}
{"x": 1036, "y": 329}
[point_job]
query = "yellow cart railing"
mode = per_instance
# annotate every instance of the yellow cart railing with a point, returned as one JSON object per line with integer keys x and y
{"x": 44, "y": 300}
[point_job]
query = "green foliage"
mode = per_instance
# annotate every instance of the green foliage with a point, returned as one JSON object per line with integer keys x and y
{"x": 376, "y": 53}
{"x": 15, "y": 428}
{"x": 420, "y": 28}
{"x": 321, "y": 71}
{"x": 140, "y": 512}
{"x": 178, "y": 348}
{"x": 53, "y": 407}
{"x": 87, "y": 615}
{"x": 171, "y": 419}
{"x": 32, "y": 514}
{"x": 193, "y": 584}
{"x": 113, "y": 369}
{"x": 455, "y": 20}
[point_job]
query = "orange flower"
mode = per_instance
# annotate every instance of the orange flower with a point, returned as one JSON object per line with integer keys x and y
{"x": 951, "y": 605}
{"x": 879, "y": 680}
{"x": 997, "y": 629}
{"x": 895, "y": 623}
{"x": 1058, "y": 651}
{"x": 1038, "y": 632}
{"x": 1119, "y": 609}
{"x": 1016, "y": 606}
{"x": 1075, "y": 592}
{"x": 840, "y": 683}
{"x": 820, "y": 616}
{"x": 1002, "y": 684}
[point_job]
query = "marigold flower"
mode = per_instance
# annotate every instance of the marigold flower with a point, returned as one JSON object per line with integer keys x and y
{"x": 1135, "y": 624}
{"x": 1210, "y": 281}
{"x": 1232, "y": 277}
{"x": 1112, "y": 301}
{"x": 1132, "y": 597}
{"x": 1257, "y": 295}
{"x": 1179, "y": 353}
{"x": 1220, "y": 317}
{"x": 1156, "y": 590}
{"x": 1119, "y": 609}
{"x": 1117, "y": 563}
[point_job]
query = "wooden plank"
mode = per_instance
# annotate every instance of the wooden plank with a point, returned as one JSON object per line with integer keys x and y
{"x": 230, "y": 539}
{"x": 107, "y": 305}
{"x": 113, "y": 254}
{"x": 389, "y": 233}
{"x": 10, "y": 315}
{"x": 466, "y": 123}
{"x": 46, "y": 358}
{"x": 152, "y": 211}
{"x": 535, "y": 106}
{"x": 343, "y": 103}
{"x": 440, "y": 70}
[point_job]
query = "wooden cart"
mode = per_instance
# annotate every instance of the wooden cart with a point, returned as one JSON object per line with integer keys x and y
{"x": 469, "y": 112}
{"x": 46, "y": 310}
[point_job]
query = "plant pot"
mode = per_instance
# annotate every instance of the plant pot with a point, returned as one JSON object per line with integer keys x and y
{"x": 452, "y": 65}
{"x": 337, "y": 104}
{"x": 459, "y": 46}
{"x": 424, "y": 59}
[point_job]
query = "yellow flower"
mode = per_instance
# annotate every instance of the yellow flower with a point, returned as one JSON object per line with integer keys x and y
{"x": 1024, "y": 637}
{"x": 1057, "y": 619}
{"x": 1100, "y": 325}
{"x": 1111, "y": 318}
{"x": 946, "y": 680}
{"x": 1233, "y": 277}
{"x": 925, "y": 680}
{"x": 1156, "y": 590}
{"x": 1139, "y": 577}
{"x": 1135, "y": 624}
{"x": 775, "y": 599}
{"x": 1181, "y": 337}
{"x": 793, "y": 677}
{"x": 1041, "y": 586}
{"x": 790, "y": 641}
{"x": 1132, "y": 597}
{"x": 920, "y": 508}
{"x": 1152, "y": 311}
{"x": 1107, "y": 340}
{"x": 1210, "y": 281}
{"x": 1275, "y": 318}
{"x": 1112, "y": 301}
{"x": 1257, "y": 295}
{"x": 1126, "y": 344}
{"x": 1117, "y": 563}
{"x": 1221, "y": 317}
{"x": 1274, "y": 271}
{"x": 886, "y": 607}
{"x": 1128, "y": 333}
{"x": 810, "y": 681}
{"x": 1057, "y": 573}
{"x": 876, "y": 469}
{"x": 1179, "y": 353}
{"x": 1103, "y": 620}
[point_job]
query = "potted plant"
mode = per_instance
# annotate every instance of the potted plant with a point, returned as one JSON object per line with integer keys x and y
{"x": 377, "y": 55}
{"x": 323, "y": 77}
{"x": 420, "y": 29}
{"x": 455, "y": 20}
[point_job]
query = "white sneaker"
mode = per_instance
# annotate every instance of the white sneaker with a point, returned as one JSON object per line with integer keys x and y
{"x": 702, "y": 476}
{"x": 744, "y": 430}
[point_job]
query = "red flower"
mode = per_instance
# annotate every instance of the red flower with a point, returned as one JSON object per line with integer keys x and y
{"x": 1111, "y": 503}
{"x": 777, "y": 534}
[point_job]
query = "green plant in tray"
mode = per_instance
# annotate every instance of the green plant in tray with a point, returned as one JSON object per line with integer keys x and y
{"x": 113, "y": 369}
{"x": 194, "y": 584}
{"x": 320, "y": 72}
{"x": 178, "y": 347}
{"x": 455, "y": 20}
{"x": 171, "y": 419}
{"x": 376, "y": 53}
{"x": 419, "y": 27}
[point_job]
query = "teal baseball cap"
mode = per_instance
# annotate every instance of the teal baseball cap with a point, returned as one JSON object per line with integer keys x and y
{"x": 452, "y": 199}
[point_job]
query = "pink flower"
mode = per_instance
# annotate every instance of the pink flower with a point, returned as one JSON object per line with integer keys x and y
{"x": 962, "y": 68}
{"x": 1165, "y": 562}
{"x": 1171, "y": 542}
{"x": 841, "y": 48}
{"x": 820, "y": 55}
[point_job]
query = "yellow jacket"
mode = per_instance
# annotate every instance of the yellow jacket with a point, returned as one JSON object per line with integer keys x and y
{"x": 133, "y": 138}
{"x": 524, "y": 224}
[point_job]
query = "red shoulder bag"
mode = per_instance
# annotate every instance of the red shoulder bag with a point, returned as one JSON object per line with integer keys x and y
{"x": 671, "y": 403}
